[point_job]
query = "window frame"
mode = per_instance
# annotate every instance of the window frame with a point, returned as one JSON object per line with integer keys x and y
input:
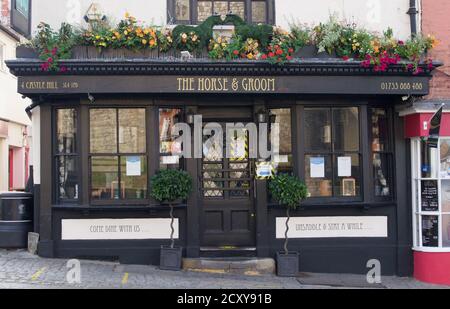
{"x": 193, "y": 13}
{"x": 19, "y": 21}
{"x": 303, "y": 153}
{"x": 119, "y": 155}
{"x": 55, "y": 155}
{"x": 389, "y": 152}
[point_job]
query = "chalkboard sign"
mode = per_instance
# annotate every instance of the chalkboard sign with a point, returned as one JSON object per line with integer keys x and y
{"x": 430, "y": 196}
{"x": 430, "y": 231}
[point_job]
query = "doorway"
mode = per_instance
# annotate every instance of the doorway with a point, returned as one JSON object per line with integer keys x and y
{"x": 226, "y": 185}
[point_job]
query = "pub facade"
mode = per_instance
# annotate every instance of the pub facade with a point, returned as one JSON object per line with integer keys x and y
{"x": 105, "y": 129}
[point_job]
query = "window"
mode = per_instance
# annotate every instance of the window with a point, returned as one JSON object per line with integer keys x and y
{"x": 66, "y": 155}
{"x": 21, "y": 16}
{"x": 118, "y": 160}
{"x": 168, "y": 117}
{"x": 282, "y": 116}
{"x": 197, "y": 11}
{"x": 332, "y": 152}
{"x": 23, "y": 6}
{"x": 382, "y": 155}
{"x": 431, "y": 194}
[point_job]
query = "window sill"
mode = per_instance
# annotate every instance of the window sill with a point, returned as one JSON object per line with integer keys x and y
{"x": 342, "y": 205}
{"x": 90, "y": 208}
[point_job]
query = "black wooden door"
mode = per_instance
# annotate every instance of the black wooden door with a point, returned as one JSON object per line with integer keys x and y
{"x": 227, "y": 194}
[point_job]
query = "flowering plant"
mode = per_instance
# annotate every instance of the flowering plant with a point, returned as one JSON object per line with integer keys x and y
{"x": 281, "y": 49}
{"x": 165, "y": 40}
{"x": 54, "y": 46}
{"x": 133, "y": 35}
{"x": 188, "y": 41}
{"x": 250, "y": 49}
{"x": 218, "y": 48}
{"x": 415, "y": 50}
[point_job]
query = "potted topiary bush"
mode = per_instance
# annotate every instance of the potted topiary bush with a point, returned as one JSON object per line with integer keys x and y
{"x": 288, "y": 191}
{"x": 168, "y": 186}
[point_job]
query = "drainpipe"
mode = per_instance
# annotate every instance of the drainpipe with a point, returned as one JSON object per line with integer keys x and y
{"x": 412, "y": 12}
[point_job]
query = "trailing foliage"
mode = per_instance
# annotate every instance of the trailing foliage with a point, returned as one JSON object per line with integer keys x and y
{"x": 251, "y": 42}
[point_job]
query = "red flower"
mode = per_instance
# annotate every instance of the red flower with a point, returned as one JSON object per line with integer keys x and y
{"x": 236, "y": 52}
{"x": 279, "y": 52}
{"x": 264, "y": 57}
{"x": 50, "y": 60}
{"x": 63, "y": 69}
{"x": 291, "y": 50}
{"x": 54, "y": 51}
{"x": 271, "y": 55}
{"x": 44, "y": 66}
{"x": 345, "y": 58}
{"x": 401, "y": 43}
{"x": 289, "y": 58}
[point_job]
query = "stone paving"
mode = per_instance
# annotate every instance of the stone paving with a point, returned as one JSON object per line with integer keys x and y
{"x": 19, "y": 269}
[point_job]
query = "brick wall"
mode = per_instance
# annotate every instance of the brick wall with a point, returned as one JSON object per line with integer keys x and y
{"x": 436, "y": 20}
{"x": 5, "y": 12}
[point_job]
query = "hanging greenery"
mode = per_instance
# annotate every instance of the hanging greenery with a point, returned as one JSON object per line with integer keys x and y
{"x": 251, "y": 42}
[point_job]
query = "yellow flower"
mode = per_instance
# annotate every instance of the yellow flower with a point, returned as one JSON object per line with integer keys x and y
{"x": 184, "y": 36}
{"x": 127, "y": 15}
{"x": 250, "y": 56}
{"x": 125, "y": 32}
{"x": 144, "y": 41}
{"x": 97, "y": 37}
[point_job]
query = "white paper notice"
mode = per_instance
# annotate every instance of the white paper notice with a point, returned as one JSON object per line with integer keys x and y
{"x": 344, "y": 166}
{"x": 170, "y": 159}
{"x": 133, "y": 166}
{"x": 317, "y": 167}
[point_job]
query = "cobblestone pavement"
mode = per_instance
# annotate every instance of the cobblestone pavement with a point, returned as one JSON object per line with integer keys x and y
{"x": 18, "y": 269}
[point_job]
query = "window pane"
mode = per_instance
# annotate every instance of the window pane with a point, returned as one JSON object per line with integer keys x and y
{"x": 133, "y": 177}
{"x": 104, "y": 178}
{"x": 182, "y": 12}
{"x": 221, "y": 7}
{"x": 380, "y": 130}
{"x": 382, "y": 169}
{"x": 318, "y": 175}
{"x": 283, "y": 119}
{"x": 346, "y": 129}
{"x": 430, "y": 231}
{"x": 317, "y": 129}
{"x": 168, "y": 117}
{"x": 204, "y": 10}
{"x": 446, "y": 230}
{"x": 429, "y": 160}
{"x": 445, "y": 195}
{"x": 67, "y": 173}
{"x": 132, "y": 137}
{"x": 259, "y": 12}
{"x": 445, "y": 157}
{"x": 66, "y": 130}
{"x": 238, "y": 8}
{"x": 347, "y": 175}
{"x": 103, "y": 131}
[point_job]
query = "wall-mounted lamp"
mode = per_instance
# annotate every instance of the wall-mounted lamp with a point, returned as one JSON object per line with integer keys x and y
{"x": 93, "y": 14}
{"x": 261, "y": 117}
{"x": 190, "y": 118}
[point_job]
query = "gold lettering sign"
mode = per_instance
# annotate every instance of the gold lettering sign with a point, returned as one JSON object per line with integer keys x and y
{"x": 48, "y": 85}
{"x": 226, "y": 84}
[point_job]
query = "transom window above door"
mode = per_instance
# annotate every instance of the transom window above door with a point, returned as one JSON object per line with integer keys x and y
{"x": 197, "y": 11}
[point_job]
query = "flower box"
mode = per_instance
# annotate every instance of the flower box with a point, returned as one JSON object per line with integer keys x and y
{"x": 26, "y": 52}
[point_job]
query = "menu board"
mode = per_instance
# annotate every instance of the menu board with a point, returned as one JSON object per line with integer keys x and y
{"x": 429, "y": 195}
{"x": 430, "y": 231}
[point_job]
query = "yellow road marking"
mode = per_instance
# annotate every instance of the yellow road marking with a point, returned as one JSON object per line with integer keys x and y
{"x": 125, "y": 278}
{"x": 37, "y": 274}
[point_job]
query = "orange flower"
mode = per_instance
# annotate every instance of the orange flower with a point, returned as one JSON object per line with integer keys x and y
{"x": 152, "y": 42}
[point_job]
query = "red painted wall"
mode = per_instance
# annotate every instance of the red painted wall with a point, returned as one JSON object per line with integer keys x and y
{"x": 414, "y": 125}
{"x": 432, "y": 267}
{"x": 436, "y": 21}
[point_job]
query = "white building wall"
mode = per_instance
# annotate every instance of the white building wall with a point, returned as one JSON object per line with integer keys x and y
{"x": 376, "y": 15}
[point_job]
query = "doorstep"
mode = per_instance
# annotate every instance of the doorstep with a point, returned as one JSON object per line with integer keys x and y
{"x": 233, "y": 265}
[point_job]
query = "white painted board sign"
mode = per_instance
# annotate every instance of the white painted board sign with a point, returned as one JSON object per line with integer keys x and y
{"x": 333, "y": 227}
{"x": 117, "y": 229}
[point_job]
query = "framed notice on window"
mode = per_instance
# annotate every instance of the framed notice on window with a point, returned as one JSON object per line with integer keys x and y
{"x": 429, "y": 195}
